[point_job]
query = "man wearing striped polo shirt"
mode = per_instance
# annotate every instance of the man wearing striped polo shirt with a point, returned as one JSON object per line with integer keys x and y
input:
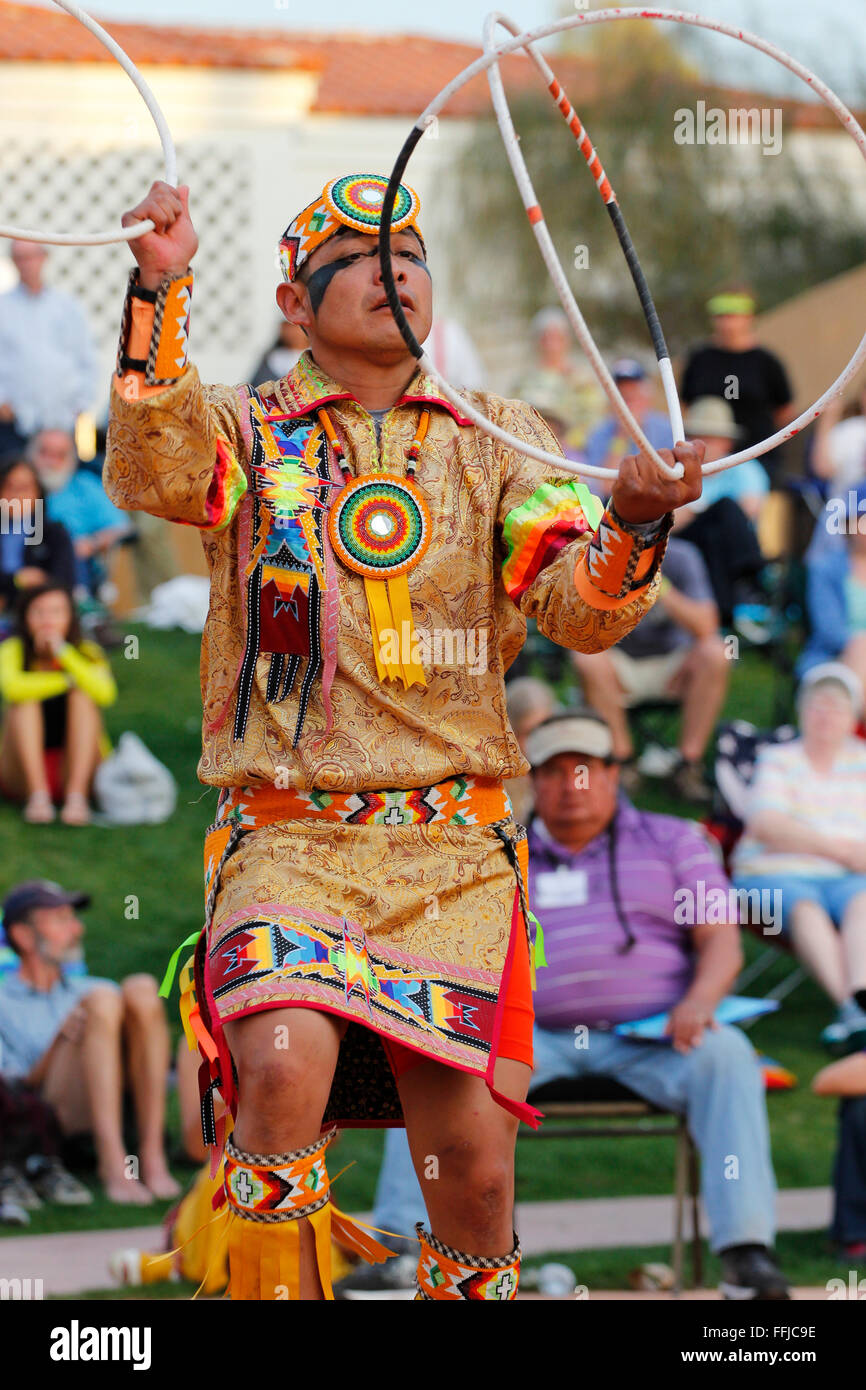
{"x": 608, "y": 883}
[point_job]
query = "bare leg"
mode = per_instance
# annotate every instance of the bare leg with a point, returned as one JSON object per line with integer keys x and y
{"x": 147, "y": 1055}
{"x": 83, "y": 728}
{"x": 283, "y": 1091}
{"x": 84, "y": 1084}
{"x": 818, "y": 946}
{"x": 22, "y": 750}
{"x": 603, "y": 691}
{"x": 701, "y": 683}
{"x": 462, "y": 1146}
{"x": 854, "y": 943}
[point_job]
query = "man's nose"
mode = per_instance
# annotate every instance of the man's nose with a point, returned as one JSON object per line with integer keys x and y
{"x": 398, "y": 270}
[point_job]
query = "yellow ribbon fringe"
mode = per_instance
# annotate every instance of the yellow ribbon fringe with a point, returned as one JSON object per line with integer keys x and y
{"x": 390, "y": 608}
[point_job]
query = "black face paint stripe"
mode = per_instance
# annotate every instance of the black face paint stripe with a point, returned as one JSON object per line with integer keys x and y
{"x": 321, "y": 278}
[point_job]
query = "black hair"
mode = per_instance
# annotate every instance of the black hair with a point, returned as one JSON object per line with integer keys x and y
{"x": 353, "y": 231}
{"x": 11, "y": 461}
{"x": 25, "y": 602}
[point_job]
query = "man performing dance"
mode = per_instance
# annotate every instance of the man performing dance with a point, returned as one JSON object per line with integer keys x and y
{"x": 373, "y": 560}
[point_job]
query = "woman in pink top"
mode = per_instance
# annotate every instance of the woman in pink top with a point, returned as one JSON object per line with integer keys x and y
{"x": 806, "y": 836}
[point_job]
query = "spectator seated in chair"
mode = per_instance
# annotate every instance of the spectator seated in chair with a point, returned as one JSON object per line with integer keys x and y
{"x": 80, "y": 1040}
{"x": 676, "y": 653}
{"x": 76, "y": 498}
{"x": 33, "y": 551}
{"x": 53, "y": 685}
{"x": 836, "y": 586}
{"x": 722, "y": 521}
{"x": 618, "y": 894}
{"x": 805, "y": 839}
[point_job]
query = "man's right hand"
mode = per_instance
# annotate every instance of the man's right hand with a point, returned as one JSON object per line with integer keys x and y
{"x": 166, "y": 252}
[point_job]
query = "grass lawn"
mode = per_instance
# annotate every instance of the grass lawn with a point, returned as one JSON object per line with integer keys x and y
{"x": 146, "y": 884}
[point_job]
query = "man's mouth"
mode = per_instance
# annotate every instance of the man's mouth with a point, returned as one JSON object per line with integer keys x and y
{"x": 405, "y": 299}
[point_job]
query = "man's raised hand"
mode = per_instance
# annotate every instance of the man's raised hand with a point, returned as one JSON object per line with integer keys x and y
{"x": 643, "y": 493}
{"x": 166, "y": 252}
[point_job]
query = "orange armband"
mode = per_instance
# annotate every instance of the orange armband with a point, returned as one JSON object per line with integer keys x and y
{"x": 154, "y": 334}
{"x": 620, "y": 561}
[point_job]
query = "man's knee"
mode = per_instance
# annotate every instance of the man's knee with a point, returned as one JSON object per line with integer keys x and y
{"x": 711, "y": 652}
{"x": 140, "y": 995}
{"x": 478, "y": 1181}
{"x": 103, "y": 1005}
{"x": 726, "y": 1051}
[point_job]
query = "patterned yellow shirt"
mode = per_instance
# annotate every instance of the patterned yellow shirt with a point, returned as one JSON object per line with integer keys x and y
{"x": 507, "y": 536}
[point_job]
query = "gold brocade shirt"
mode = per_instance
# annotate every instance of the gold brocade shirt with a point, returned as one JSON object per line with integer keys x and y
{"x": 497, "y": 557}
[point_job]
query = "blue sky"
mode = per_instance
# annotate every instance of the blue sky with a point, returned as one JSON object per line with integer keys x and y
{"x": 829, "y": 36}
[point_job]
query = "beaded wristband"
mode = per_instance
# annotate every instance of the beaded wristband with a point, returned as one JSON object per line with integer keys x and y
{"x": 167, "y": 352}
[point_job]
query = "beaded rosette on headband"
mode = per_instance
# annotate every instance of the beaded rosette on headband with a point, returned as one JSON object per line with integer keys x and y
{"x": 354, "y": 200}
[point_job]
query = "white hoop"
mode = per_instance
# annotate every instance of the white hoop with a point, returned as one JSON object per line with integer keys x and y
{"x": 137, "y": 228}
{"x": 554, "y": 265}
{"x": 486, "y": 62}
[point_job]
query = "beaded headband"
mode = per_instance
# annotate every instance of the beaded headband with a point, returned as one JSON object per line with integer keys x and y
{"x": 355, "y": 201}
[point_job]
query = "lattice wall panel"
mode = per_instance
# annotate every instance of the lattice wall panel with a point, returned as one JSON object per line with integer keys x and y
{"x": 85, "y": 189}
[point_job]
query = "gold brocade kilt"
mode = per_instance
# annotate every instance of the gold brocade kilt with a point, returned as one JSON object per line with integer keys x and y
{"x": 407, "y": 931}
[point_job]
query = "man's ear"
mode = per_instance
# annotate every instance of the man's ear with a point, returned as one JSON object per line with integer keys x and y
{"x": 294, "y": 303}
{"x": 18, "y": 935}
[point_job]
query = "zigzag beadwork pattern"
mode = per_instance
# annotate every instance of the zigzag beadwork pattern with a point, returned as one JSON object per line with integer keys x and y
{"x": 286, "y": 572}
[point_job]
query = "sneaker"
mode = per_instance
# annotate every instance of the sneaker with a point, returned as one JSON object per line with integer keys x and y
{"x": 687, "y": 781}
{"x": 393, "y": 1279}
{"x": 15, "y": 1188}
{"x": 55, "y": 1184}
{"x": 656, "y": 761}
{"x": 846, "y": 1034}
{"x": 12, "y": 1213}
{"x": 749, "y": 1272}
{"x": 754, "y": 622}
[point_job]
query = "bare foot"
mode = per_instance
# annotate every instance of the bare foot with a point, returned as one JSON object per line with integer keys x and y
{"x": 159, "y": 1180}
{"x": 76, "y": 810}
{"x": 39, "y": 809}
{"x": 128, "y": 1192}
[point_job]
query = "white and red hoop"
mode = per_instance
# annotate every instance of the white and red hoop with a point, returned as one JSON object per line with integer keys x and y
{"x": 488, "y": 62}
{"x": 136, "y": 229}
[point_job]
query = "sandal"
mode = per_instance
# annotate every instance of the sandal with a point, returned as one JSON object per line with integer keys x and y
{"x": 39, "y": 809}
{"x": 76, "y": 810}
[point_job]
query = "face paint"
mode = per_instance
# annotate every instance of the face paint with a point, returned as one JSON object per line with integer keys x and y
{"x": 321, "y": 278}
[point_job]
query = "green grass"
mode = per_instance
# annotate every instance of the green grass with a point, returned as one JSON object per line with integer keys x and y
{"x": 160, "y": 867}
{"x": 805, "y": 1256}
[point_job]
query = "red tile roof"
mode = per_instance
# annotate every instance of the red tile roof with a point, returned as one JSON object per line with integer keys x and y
{"x": 359, "y": 74}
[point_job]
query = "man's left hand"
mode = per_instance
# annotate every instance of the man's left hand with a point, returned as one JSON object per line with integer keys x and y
{"x": 643, "y": 493}
{"x": 687, "y": 1023}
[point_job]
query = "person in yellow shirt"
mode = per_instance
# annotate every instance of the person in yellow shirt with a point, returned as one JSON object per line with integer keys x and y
{"x": 53, "y": 685}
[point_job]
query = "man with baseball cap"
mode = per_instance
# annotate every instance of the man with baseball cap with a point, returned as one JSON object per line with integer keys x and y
{"x": 363, "y": 890}
{"x": 80, "y": 1040}
{"x": 620, "y": 896}
{"x": 722, "y": 522}
{"x": 734, "y": 367}
{"x": 608, "y": 444}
